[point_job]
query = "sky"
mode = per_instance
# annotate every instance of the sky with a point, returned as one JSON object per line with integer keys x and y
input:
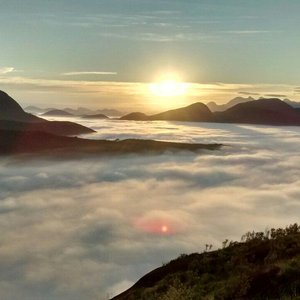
{"x": 104, "y": 53}
{"x": 89, "y": 228}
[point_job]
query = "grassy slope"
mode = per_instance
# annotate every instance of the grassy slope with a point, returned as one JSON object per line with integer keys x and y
{"x": 264, "y": 266}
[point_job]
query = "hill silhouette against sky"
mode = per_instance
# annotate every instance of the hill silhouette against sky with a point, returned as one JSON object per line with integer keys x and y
{"x": 263, "y": 111}
{"x": 13, "y": 117}
{"x": 213, "y": 106}
{"x": 57, "y": 113}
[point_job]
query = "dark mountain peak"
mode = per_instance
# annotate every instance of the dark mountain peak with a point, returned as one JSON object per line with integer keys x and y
{"x": 137, "y": 116}
{"x": 58, "y": 113}
{"x": 196, "y": 112}
{"x": 197, "y": 105}
{"x": 13, "y": 117}
{"x": 266, "y": 103}
{"x": 271, "y": 111}
{"x": 96, "y": 116}
{"x": 8, "y": 106}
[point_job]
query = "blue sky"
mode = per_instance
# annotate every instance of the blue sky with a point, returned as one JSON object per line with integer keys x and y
{"x": 248, "y": 46}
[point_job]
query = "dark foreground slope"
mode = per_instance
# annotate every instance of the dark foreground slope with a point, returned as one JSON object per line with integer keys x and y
{"x": 13, "y": 117}
{"x": 21, "y": 142}
{"x": 264, "y": 266}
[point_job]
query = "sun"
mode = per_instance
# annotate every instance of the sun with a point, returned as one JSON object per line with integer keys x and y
{"x": 164, "y": 229}
{"x": 168, "y": 87}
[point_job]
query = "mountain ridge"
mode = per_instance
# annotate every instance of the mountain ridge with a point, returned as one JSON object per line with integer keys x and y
{"x": 272, "y": 111}
{"x": 12, "y": 116}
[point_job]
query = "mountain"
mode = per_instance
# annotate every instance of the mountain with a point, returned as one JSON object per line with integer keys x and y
{"x": 135, "y": 116}
{"x": 11, "y": 110}
{"x": 53, "y": 127}
{"x": 265, "y": 266}
{"x": 264, "y": 111}
{"x": 197, "y": 112}
{"x": 13, "y": 117}
{"x": 96, "y": 117}
{"x": 222, "y": 107}
{"x": 57, "y": 113}
{"x": 86, "y": 111}
{"x": 76, "y": 112}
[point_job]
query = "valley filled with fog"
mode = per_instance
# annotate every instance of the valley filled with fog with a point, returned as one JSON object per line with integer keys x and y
{"x": 89, "y": 228}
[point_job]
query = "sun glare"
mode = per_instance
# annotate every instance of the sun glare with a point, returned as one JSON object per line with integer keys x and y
{"x": 164, "y": 229}
{"x": 168, "y": 87}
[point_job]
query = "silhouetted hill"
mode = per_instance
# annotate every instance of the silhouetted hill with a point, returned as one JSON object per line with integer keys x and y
{"x": 57, "y": 113}
{"x": 36, "y": 142}
{"x": 11, "y": 110}
{"x": 87, "y": 111}
{"x": 135, "y": 116}
{"x": 266, "y": 265}
{"x": 54, "y": 127}
{"x": 222, "y": 107}
{"x": 197, "y": 112}
{"x": 263, "y": 111}
{"x": 13, "y": 117}
{"x": 97, "y": 116}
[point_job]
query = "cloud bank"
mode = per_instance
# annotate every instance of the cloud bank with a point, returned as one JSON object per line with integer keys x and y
{"x": 88, "y": 229}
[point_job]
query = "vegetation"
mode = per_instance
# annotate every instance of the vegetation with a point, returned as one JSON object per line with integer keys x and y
{"x": 264, "y": 265}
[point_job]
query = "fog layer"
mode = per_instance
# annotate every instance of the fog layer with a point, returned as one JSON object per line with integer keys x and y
{"x": 88, "y": 229}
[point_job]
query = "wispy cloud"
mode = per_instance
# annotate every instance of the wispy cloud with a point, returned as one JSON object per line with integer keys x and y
{"x": 6, "y": 70}
{"x": 249, "y": 93}
{"x": 276, "y": 95}
{"x": 297, "y": 90}
{"x": 247, "y": 32}
{"x": 88, "y": 73}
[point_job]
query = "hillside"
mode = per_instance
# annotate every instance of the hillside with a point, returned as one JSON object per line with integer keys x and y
{"x": 13, "y": 117}
{"x": 265, "y": 265}
{"x": 11, "y": 110}
{"x": 264, "y": 111}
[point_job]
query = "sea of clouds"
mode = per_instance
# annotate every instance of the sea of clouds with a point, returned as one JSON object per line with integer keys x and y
{"x": 89, "y": 228}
